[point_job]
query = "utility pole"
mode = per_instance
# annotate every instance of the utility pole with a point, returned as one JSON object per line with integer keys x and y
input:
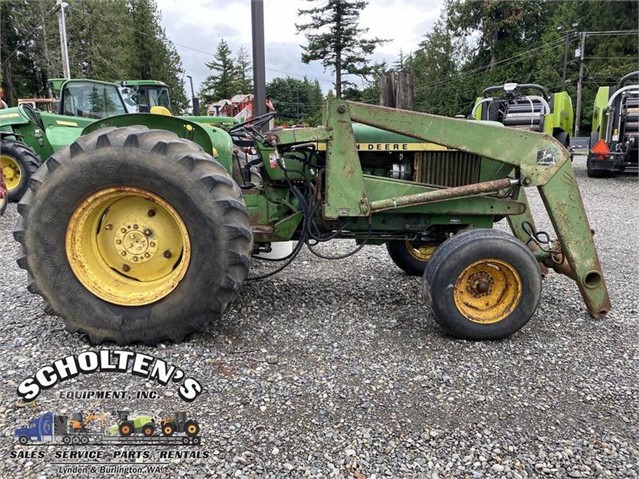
{"x": 563, "y": 78}
{"x": 259, "y": 62}
{"x": 60, "y": 6}
{"x": 196, "y": 101}
{"x": 582, "y": 48}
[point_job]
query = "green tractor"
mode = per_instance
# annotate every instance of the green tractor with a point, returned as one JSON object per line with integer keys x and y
{"x": 28, "y": 137}
{"x": 143, "y": 228}
{"x": 128, "y": 425}
{"x": 614, "y": 141}
{"x": 527, "y": 106}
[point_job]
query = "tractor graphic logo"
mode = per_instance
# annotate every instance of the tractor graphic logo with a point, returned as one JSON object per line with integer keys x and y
{"x": 128, "y": 427}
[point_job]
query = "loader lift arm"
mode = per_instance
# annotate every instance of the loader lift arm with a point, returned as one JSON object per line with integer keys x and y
{"x": 538, "y": 160}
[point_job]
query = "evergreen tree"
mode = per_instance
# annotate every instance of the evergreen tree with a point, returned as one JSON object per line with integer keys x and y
{"x": 244, "y": 82}
{"x": 222, "y": 82}
{"x": 335, "y": 39}
{"x": 296, "y": 101}
{"x": 154, "y": 56}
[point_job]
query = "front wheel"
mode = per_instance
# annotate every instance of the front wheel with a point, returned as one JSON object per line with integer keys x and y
{"x": 18, "y": 162}
{"x": 410, "y": 256}
{"x": 483, "y": 284}
{"x": 191, "y": 428}
{"x": 134, "y": 235}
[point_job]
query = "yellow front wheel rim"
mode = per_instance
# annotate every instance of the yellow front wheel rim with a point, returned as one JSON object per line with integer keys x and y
{"x": 420, "y": 252}
{"x": 11, "y": 172}
{"x": 127, "y": 246}
{"x": 487, "y": 291}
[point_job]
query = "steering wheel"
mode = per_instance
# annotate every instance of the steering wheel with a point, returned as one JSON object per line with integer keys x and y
{"x": 31, "y": 114}
{"x": 253, "y": 126}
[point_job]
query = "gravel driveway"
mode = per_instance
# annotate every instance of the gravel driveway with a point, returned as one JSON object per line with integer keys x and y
{"x": 336, "y": 369}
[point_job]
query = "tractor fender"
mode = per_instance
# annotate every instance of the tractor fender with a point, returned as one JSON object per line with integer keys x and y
{"x": 10, "y": 117}
{"x": 215, "y": 141}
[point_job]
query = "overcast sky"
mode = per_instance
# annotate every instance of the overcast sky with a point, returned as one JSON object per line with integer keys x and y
{"x": 196, "y": 27}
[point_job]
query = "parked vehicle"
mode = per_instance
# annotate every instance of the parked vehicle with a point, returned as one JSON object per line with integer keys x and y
{"x": 614, "y": 141}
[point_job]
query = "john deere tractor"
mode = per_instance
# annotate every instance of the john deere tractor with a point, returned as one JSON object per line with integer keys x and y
{"x": 527, "y": 106}
{"x": 614, "y": 141}
{"x": 28, "y": 137}
{"x": 143, "y": 228}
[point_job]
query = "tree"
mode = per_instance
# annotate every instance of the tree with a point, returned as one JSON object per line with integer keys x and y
{"x": 154, "y": 56}
{"x": 335, "y": 39}
{"x": 222, "y": 82}
{"x": 243, "y": 67}
{"x": 297, "y": 101}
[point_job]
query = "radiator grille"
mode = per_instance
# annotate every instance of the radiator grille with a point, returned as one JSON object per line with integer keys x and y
{"x": 447, "y": 168}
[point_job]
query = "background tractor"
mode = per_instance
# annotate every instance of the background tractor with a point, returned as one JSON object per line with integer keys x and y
{"x": 28, "y": 136}
{"x": 178, "y": 423}
{"x": 79, "y": 422}
{"x": 614, "y": 141}
{"x": 133, "y": 424}
{"x": 527, "y": 106}
{"x": 150, "y": 222}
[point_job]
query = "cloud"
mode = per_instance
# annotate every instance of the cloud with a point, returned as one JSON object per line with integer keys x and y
{"x": 197, "y": 26}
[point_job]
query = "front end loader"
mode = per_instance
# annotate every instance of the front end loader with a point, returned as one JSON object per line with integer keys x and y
{"x": 137, "y": 234}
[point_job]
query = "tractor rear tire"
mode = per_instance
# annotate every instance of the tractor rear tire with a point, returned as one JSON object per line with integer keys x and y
{"x": 126, "y": 428}
{"x": 482, "y": 284}
{"x": 18, "y": 162}
{"x": 191, "y": 428}
{"x": 134, "y": 235}
{"x": 410, "y": 256}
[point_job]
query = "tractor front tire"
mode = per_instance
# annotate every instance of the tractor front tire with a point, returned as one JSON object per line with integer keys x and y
{"x": 18, "y": 162}
{"x": 410, "y": 256}
{"x": 148, "y": 430}
{"x": 168, "y": 429}
{"x": 482, "y": 284}
{"x": 134, "y": 235}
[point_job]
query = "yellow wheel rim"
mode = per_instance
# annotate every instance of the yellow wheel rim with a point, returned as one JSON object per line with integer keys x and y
{"x": 127, "y": 246}
{"x": 487, "y": 291}
{"x": 11, "y": 172}
{"x": 420, "y": 252}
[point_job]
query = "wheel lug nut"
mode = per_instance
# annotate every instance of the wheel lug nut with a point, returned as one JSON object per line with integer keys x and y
{"x": 135, "y": 227}
{"x": 167, "y": 254}
{"x": 147, "y": 255}
{"x": 126, "y": 268}
{"x": 108, "y": 227}
{"x": 118, "y": 241}
{"x": 123, "y": 230}
{"x": 123, "y": 253}
{"x": 151, "y": 212}
{"x": 135, "y": 258}
{"x": 148, "y": 232}
{"x": 152, "y": 244}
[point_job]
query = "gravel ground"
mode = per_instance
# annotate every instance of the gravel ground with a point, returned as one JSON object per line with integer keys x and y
{"x": 337, "y": 369}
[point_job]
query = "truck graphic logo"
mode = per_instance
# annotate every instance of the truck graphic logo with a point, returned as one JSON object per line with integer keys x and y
{"x": 128, "y": 428}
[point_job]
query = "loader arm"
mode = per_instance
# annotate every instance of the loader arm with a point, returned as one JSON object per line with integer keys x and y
{"x": 538, "y": 160}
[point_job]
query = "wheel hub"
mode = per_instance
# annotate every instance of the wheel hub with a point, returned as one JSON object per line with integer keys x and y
{"x": 127, "y": 246}
{"x": 487, "y": 291}
{"x": 134, "y": 243}
{"x": 10, "y": 171}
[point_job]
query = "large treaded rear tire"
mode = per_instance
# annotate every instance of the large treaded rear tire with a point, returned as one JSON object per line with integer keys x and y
{"x": 196, "y": 187}
{"x": 23, "y": 162}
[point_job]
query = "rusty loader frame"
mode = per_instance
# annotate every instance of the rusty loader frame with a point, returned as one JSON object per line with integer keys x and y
{"x": 535, "y": 160}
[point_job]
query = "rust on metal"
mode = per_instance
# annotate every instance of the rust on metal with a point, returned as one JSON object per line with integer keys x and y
{"x": 442, "y": 194}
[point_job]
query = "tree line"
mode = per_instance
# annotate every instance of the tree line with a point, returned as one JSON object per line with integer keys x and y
{"x": 472, "y": 45}
{"x": 108, "y": 40}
